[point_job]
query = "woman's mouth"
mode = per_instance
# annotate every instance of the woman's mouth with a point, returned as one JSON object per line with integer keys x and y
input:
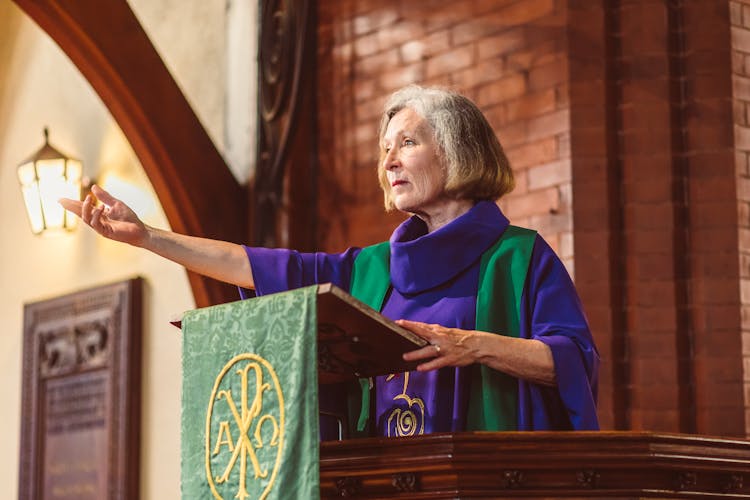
{"x": 397, "y": 183}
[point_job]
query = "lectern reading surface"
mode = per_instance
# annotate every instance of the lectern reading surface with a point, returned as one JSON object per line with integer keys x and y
{"x": 354, "y": 340}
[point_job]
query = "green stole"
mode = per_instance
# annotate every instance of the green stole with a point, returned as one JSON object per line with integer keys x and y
{"x": 502, "y": 276}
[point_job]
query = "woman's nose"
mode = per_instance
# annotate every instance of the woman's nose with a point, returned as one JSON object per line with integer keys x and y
{"x": 391, "y": 160}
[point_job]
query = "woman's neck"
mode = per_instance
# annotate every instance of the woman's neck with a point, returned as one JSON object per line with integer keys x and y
{"x": 444, "y": 213}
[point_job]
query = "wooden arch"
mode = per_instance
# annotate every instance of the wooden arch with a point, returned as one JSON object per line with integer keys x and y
{"x": 198, "y": 192}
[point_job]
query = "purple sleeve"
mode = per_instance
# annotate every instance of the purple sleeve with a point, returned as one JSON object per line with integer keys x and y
{"x": 278, "y": 270}
{"x": 552, "y": 313}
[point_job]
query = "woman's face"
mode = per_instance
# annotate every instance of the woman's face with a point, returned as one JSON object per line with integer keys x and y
{"x": 412, "y": 164}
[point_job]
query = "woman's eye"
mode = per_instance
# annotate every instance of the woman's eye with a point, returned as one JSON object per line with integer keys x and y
{"x": 409, "y": 142}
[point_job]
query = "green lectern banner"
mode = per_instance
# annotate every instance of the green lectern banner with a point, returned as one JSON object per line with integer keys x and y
{"x": 250, "y": 399}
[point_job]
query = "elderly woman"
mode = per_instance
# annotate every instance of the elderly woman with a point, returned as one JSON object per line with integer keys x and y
{"x": 509, "y": 346}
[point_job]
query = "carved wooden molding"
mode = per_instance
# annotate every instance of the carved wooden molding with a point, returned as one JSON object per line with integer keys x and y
{"x": 348, "y": 486}
{"x": 81, "y": 395}
{"x": 540, "y": 465}
{"x": 287, "y": 69}
{"x": 685, "y": 480}
{"x": 512, "y": 479}
{"x": 588, "y": 478}
{"x": 405, "y": 482}
{"x": 733, "y": 483}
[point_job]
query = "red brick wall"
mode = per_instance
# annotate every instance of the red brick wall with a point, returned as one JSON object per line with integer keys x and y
{"x": 508, "y": 56}
{"x": 740, "y": 19}
{"x": 656, "y": 229}
{"x": 617, "y": 118}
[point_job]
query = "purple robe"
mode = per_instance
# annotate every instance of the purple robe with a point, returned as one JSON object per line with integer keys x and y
{"x": 435, "y": 279}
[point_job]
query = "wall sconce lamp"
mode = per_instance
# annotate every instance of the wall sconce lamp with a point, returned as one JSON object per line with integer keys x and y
{"x": 45, "y": 178}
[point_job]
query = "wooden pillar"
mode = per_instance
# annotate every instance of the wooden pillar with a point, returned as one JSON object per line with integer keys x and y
{"x": 283, "y": 209}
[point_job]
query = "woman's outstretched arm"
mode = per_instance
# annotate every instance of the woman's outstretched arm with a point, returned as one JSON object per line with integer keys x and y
{"x": 113, "y": 219}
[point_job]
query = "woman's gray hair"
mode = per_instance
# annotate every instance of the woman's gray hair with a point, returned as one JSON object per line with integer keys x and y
{"x": 476, "y": 166}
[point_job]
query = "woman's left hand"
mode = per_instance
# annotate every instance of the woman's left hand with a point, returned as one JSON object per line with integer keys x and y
{"x": 448, "y": 346}
{"x": 529, "y": 359}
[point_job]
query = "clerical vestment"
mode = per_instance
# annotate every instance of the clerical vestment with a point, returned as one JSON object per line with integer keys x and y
{"x": 434, "y": 279}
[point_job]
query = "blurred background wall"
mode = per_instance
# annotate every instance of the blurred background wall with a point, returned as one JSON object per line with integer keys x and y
{"x": 39, "y": 86}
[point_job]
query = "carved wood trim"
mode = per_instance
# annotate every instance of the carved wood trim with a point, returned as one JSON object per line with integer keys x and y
{"x": 733, "y": 483}
{"x": 588, "y": 478}
{"x": 685, "y": 480}
{"x": 541, "y": 465}
{"x": 110, "y": 48}
{"x": 405, "y": 482}
{"x": 348, "y": 486}
{"x": 512, "y": 479}
{"x": 285, "y": 192}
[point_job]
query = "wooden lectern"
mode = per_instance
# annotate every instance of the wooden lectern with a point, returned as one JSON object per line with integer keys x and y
{"x": 355, "y": 341}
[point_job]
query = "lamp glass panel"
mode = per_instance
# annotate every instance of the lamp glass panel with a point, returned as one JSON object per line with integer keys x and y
{"x": 52, "y": 187}
{"x": 74, "y": 173}
{"x": 47, "y": 169}
{"x": 33, "y": 207}
{"x": 26, "y": 174}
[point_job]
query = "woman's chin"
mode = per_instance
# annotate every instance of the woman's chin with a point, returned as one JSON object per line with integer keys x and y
{"x": 409, "y": 208}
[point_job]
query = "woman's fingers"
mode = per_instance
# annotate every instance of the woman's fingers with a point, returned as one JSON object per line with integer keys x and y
{"x": 74, "y": 206}
{"x": 426, "y": 352}
{"x": 447, "y": 346}
{"x": 433, "y": 364}
{"x": 86, "y": 208}
{"x": 111, "y": 218}
{"x": 103, "y": 196}
{"x": 429, "y": 352}
{"x": 96, "y": 215}
{"x": 422, "y": 329}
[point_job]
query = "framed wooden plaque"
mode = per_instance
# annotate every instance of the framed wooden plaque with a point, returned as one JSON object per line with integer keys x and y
{"x": 80, "y": 422}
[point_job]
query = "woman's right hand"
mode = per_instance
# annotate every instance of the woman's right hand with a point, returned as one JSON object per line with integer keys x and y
{"x": 111, "y": 218}
{"x": 115, "y": 220}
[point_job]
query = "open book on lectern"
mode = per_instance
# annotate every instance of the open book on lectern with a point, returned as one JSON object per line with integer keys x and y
{"x": 354, "y": 340}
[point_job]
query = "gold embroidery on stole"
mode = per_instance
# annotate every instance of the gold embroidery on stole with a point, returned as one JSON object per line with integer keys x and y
{"x": 406, "y": 420}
